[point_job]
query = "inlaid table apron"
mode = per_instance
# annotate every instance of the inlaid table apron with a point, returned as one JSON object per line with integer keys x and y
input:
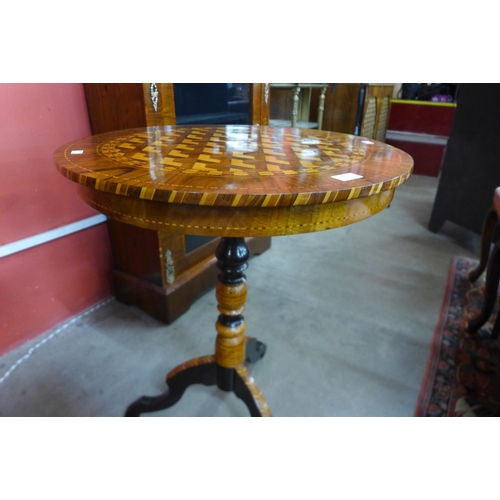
{"x": 231, "y": 181}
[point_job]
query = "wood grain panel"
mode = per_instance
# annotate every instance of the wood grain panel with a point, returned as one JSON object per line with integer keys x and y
{"x": 260, "y": 103}
{"x": 340, "y": 107}
{"x": 115, "y": 107}
{"x": 168, "y": 104}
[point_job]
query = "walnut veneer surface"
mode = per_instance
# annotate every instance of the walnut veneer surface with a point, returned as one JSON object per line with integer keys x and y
{"x": 234, "y": 180}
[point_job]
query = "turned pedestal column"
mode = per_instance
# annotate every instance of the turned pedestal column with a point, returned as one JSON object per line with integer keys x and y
{"x": 226, "y": 368}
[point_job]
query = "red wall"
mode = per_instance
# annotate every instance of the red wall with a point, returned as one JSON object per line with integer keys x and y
{"x": 45, "y": 285}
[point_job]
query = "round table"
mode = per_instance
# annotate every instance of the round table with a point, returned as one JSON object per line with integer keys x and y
{"x": 232, "y": 181}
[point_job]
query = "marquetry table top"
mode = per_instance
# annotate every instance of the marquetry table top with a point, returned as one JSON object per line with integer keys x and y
{"x": 234, "y": 180}
{"x": 234, "y": 165}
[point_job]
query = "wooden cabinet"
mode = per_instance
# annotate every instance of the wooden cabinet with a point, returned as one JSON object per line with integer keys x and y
{"x": 341, "y": 108}
{"x": 159, "y": 272}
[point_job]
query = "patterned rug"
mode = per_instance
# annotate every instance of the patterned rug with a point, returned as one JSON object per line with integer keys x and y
{"x": 463, "y": 371}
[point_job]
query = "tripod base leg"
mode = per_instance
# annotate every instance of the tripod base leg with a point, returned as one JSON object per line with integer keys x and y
{"x": 196, "y": 371}
{"x": 247, "y": 390}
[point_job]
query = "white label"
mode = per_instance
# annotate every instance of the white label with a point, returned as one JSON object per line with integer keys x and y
{"x": 77, "y": 152}
{"x": 367, "y": 142}
{"x": 347, "y": 177}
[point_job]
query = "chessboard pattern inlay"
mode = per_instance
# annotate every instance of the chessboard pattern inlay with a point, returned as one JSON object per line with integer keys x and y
{"x": 234, "y": 165}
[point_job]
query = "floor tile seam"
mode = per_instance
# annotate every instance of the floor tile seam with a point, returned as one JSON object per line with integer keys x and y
{"x": 51, "y": 336}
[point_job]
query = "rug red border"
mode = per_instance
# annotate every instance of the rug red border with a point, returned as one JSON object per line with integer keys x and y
{"x": 433, "y": 360}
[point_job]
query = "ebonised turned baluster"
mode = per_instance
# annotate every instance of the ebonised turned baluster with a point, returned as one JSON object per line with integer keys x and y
{"x": 232, "y": 256}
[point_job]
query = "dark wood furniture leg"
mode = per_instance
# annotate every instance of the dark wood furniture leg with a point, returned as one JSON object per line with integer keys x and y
{"x": 254, "y": 350}
{"x": 226, "y": 368}
{"x": 486, "y": 238}
{"x": 490, "y": 290}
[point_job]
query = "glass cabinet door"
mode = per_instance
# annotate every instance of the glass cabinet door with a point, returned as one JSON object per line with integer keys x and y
{"x": 212, "y": 103}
